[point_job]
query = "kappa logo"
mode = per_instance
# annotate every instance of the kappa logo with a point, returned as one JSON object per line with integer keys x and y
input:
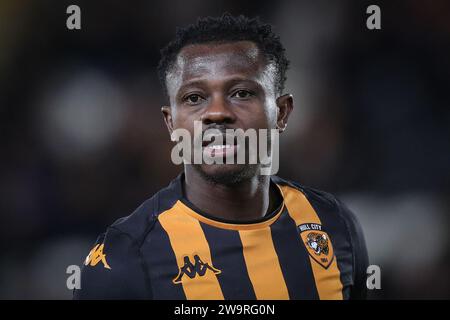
{"x": 317, "y": 243}
{"x": 193, "y": 269}
{"x": 95, "y": 256}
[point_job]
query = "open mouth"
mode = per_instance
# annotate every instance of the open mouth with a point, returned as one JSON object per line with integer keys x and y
{"x": 219, "y": 146}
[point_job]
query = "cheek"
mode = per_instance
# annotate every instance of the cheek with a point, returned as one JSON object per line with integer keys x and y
{"x": 187, "y": 125}
{"x": 180, "y": 119}
{"x": 259, "y": 120}
{"x": 184, "y": 121}
{"x": 269, "y": 114}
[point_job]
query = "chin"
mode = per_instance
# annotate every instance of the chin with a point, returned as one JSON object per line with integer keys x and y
{"x": 227, "y": 174}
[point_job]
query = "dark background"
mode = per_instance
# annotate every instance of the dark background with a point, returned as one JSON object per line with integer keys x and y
{"x": 83, "y": 141}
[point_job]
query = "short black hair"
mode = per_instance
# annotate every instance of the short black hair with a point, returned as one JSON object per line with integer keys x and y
{"x": 227, "y": 28}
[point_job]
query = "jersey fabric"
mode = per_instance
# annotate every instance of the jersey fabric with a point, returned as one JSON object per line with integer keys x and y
{"x": 311, "y": 247}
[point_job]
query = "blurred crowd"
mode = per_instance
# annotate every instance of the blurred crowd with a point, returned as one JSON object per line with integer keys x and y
{"x": 84, "y": 141}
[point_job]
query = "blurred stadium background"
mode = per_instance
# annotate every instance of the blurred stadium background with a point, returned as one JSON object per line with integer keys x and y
{"x": 83, "y": 141}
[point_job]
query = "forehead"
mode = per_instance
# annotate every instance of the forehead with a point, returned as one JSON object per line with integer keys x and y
{"x": 214, "y": 61}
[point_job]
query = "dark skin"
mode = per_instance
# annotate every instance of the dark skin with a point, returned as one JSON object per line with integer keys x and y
{"x": 228, "y": 85}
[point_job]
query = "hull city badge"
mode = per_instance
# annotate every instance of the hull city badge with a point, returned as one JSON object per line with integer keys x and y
{"x": 317, "y": 243}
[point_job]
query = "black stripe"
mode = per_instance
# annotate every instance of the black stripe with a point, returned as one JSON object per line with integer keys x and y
{"x": 161, "y": 261}
{"x": 227, "y": 255}
{"x": 294, "y": 259}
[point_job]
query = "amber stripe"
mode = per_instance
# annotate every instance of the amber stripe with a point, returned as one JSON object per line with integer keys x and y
{"x": 263, "y": 265}
{"x": 187, "y": 239}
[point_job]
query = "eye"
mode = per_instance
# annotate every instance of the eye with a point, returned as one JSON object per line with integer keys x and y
{"x": 242, "y": 94}
{"x": 193, "y": 99}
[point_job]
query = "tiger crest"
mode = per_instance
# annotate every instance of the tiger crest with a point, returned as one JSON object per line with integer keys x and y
{"x": 318, "y": 242}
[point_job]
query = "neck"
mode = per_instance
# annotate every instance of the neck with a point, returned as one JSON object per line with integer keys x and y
{"x": 247, "y": 200}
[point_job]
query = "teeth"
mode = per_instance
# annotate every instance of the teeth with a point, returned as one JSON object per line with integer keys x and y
{"x": 217, "y": 147}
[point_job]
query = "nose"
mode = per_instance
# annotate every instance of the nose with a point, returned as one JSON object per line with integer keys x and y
{"x": 218, "y": 111}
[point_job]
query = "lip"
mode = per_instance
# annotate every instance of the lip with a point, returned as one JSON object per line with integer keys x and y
{"x": 219, "y": 145}
{"x": 212, "y": 139}
{"x": 218, "y": 151}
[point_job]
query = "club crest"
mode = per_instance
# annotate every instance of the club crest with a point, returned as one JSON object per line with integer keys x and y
{"x": 317, "y": 243}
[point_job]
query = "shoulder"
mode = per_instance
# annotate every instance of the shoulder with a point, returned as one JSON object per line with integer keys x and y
{"x": 346, "y": 233}
{"x": 328, "y": 207}
{"x": 114, "y": 267}
{"x": 141, "y": 221}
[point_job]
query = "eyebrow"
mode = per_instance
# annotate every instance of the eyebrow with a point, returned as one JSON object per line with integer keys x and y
{"x": 201, "y": 82}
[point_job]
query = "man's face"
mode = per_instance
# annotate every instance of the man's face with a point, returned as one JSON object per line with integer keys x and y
{"x": 225, "y": 86}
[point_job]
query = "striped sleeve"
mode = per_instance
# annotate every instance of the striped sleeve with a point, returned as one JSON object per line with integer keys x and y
{"x": 113, "y": 269}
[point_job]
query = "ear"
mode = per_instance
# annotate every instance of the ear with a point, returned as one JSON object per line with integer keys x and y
{"x": 167, "y": 114}
{"x": 285, "y": 104}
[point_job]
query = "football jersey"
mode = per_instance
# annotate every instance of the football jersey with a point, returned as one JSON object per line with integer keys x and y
{"x": 310, "y": 247}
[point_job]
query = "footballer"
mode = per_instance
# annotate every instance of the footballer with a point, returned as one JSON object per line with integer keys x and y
{"x": 220, "y": 230}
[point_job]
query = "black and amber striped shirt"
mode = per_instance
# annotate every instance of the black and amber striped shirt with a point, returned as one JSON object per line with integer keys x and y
{"x": 311, "y": 247}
